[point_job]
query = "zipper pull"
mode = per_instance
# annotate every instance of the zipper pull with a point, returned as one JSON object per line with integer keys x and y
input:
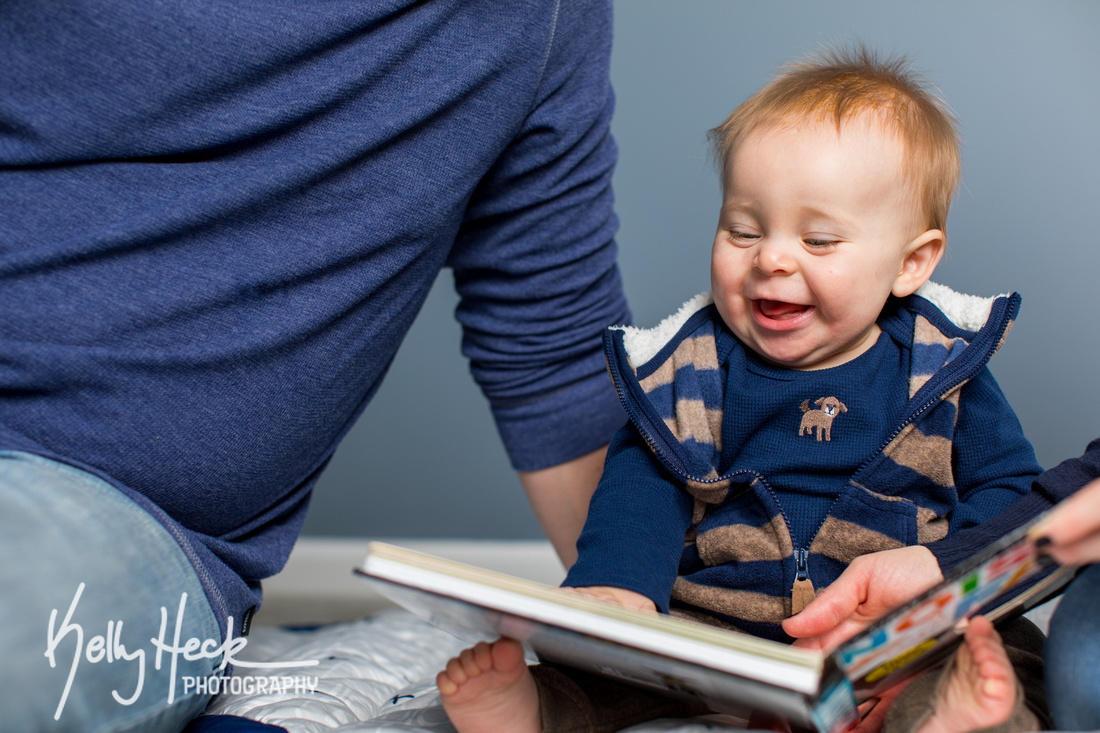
{"x": 803, "y": 590}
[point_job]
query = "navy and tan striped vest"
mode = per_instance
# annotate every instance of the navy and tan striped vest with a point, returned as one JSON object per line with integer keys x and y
{"x": 739, "y": 565}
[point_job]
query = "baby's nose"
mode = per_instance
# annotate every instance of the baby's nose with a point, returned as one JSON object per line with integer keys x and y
{"x": 774, "y": 258}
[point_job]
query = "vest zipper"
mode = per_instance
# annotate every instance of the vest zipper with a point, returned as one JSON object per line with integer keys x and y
{"x": 800, "y": 558}
{"x": 802, "y": 592}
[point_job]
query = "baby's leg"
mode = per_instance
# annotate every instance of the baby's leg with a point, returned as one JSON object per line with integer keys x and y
{"x": 489, "y": 688}
{"x": 978, "y": 690}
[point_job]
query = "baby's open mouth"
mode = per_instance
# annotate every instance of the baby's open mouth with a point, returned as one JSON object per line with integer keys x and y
{"x": 781, "y": 311}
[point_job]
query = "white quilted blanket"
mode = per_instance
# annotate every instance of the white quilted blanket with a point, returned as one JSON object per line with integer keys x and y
{"x": 377, "y": 675}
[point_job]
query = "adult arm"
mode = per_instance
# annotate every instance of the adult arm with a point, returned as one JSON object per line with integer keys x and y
{"x": 559, "y": 496}
{"x": 535, "y": 267}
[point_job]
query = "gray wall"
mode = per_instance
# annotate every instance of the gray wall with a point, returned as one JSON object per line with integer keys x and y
{"x": 1024, "y": 79}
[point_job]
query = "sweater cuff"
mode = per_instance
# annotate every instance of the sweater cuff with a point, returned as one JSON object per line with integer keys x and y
{"x": 648, "y": 587}
{"x": 1047, "y": 490}
{"x": 564, "y": 425}
{"x": 962, "y": 545}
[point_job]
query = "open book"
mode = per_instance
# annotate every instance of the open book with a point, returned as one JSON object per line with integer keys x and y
{"x": 733, "y": 673}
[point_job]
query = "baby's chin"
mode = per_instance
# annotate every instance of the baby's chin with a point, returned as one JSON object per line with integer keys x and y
{"x": 800, "y": 363}
{"x": 809, "y": 359}
{"x": 776, "y": 356}
{"x": 789, "y": 351}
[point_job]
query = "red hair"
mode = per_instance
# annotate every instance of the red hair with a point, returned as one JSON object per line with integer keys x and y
{"x": 845, "y": 83}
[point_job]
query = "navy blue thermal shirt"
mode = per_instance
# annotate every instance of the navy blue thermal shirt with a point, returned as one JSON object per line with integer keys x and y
{"x": 218, "y": 221}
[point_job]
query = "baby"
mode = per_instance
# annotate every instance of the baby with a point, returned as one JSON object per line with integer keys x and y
{"x": 823, "y": 402}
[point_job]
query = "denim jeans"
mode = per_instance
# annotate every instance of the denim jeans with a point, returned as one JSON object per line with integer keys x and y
{"x": 1073, "y": 655}
{"x": 90, "y": 584}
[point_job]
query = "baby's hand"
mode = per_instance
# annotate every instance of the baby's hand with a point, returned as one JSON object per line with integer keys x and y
{"x": 619, "y": 596}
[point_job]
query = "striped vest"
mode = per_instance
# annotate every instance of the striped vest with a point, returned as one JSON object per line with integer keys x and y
{"x": 739, "y": 566}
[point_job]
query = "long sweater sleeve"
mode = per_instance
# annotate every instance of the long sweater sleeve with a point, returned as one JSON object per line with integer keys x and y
{"x": 1047, "y": 490}
{"x": 994, "y": 464}
{"x": 636, "y": 524}
{"x": 535, "y": 259}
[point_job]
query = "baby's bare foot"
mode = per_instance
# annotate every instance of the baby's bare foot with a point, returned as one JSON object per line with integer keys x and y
{"x": 488, "y": 688}
{"x": 981, "y": 690}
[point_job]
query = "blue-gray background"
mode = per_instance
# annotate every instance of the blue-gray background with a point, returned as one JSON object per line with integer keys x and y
{"x": 1024, "y": 80}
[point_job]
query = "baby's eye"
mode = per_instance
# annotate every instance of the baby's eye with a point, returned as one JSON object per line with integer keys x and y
{"x": 815, "y": 243}
{"x": 741, "y": 237}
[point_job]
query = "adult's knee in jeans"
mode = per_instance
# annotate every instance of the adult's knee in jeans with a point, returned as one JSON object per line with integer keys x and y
{"x": 1073, "y": 655}
{"x": 92, "y": 580}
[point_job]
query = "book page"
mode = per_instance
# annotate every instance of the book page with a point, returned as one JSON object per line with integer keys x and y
{"x": 932, "y": 624}
{"x": 732, "y": 673}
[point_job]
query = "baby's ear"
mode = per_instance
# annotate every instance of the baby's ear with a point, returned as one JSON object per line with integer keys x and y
{"x": 919, "y": 262}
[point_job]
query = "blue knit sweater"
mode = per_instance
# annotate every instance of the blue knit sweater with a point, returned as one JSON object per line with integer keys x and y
{"x": 217, "y": 222}
{"x": 681, "y": 518}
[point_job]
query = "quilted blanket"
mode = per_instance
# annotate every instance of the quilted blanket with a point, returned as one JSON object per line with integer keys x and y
{"x": 375, "y": 675}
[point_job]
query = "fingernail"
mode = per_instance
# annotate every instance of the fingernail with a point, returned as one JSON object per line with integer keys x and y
{"x": 1042, "y": 548}
{"x": 1045, "y": 561}
{"x": 1042, "y": 552}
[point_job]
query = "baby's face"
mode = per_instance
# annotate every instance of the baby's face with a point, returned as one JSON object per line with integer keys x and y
{"x": 812, "y": 235}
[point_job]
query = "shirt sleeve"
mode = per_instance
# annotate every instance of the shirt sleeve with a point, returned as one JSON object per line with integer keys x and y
{"x": 535, "y": 260}
{"x": 995, "y": 464}
{"x": 1047, "y": 490}
{"x": 636, "y": 524}
{"x": 995, "y": 467}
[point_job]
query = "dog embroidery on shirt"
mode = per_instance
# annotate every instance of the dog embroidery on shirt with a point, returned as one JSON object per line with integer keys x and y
{"x": 820, "y": 420}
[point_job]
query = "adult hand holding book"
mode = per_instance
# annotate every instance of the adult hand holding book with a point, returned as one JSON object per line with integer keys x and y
{"x": 868, "y": 589}
{"x": 1071, "y": 531}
